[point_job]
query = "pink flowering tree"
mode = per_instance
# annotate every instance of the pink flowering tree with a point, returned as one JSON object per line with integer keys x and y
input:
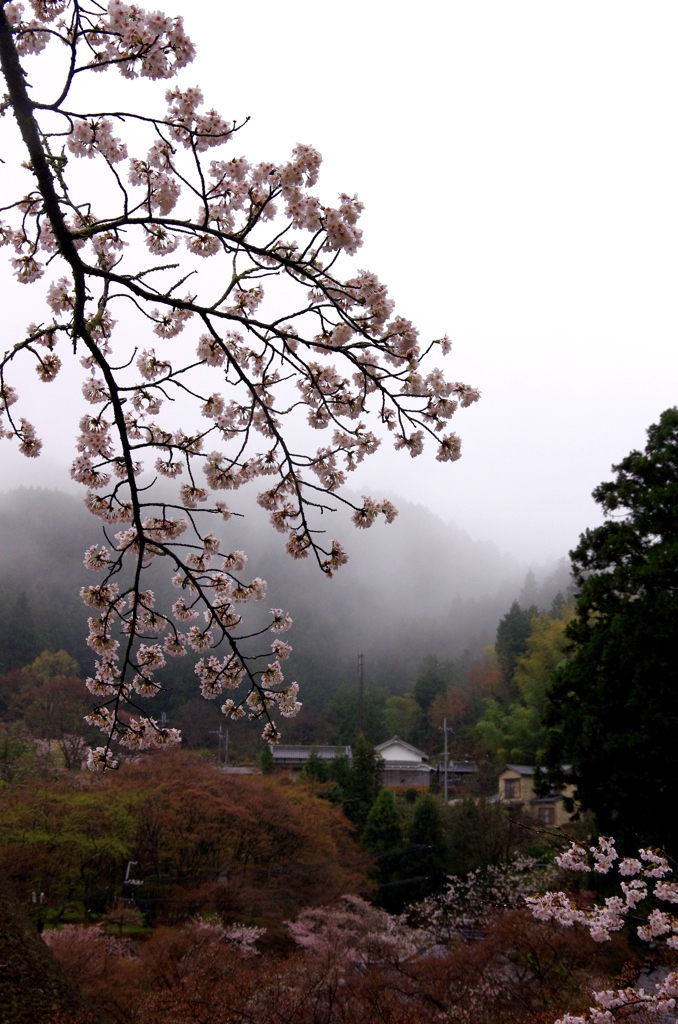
{"x": 643, "y": 888}
{"x": 207, "y": 301}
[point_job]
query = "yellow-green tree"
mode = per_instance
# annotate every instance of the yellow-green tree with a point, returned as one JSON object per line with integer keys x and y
{"x": 514, "y": 732}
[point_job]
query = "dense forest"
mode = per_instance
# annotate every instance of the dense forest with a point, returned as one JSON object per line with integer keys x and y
{"x": 354, "y": 901}
{"x": 415, "y": 593}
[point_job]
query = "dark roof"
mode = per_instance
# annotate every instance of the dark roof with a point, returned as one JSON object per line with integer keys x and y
{"x": 292, "y": 752}
{"x": 528, "y": 769}
{"x": 459, "y": 767}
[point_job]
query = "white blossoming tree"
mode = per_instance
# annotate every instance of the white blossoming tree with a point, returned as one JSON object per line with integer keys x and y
{"x": 645, "y": 888}
{"x": 177, "y": 245}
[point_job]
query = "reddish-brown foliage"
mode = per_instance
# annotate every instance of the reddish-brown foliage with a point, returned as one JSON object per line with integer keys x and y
{"x": 250, "y": 848}
{"x": 525, "y": 972}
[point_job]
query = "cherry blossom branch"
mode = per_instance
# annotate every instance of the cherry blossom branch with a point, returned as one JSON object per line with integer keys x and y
{"x": 340, "y": 356}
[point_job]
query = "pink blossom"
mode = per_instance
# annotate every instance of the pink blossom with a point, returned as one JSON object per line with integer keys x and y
{"x": 159, "y": 241}
{"x": 169, "y": 324}
{"x": 203, "y": 245}
{"x": 281, "y": 621}
{"x": 27, "y": 269}
{"x": 283, "y": 651}
{"x": 91, "y": 137}
{"x": 95, "y": 391}
{"x": 175, "y": 646}
{"x": 30, "y": 445}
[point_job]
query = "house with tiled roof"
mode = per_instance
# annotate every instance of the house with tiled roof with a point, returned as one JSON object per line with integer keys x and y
{"x": 516, "y": 790}
{"x": 290, "y": 758}
{"x": 404, "y": 765}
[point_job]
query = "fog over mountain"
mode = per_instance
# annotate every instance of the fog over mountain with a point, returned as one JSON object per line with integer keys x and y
{"x": 413, "y": 588}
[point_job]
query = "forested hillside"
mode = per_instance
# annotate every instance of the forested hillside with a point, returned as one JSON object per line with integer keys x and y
{"x": 415, "y": 588}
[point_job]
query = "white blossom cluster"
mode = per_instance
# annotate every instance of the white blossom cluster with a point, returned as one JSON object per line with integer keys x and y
{"x": 469, "y": 904}
{"x": 341, "y": 361}
{"x": 612, "y": 916}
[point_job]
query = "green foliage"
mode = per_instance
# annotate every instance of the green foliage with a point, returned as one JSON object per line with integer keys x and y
{"x": 612, "y": 711}
{"x": 383, "y": 831}
{"x": 478, "y": 834}
{"x": 266, "y": 761}
{"x": 383, "y": 838}
{"x": 511, "y": 642}
{"x": 316, "y": 768}
{"x": 344, "y": 712}
{"x": 17, "y": 631}
{"x": 431, "y": 682}
{"x": 64, "y": 842}
{"x": 510, "y": 734}
{"x": 515, "y": 732}
{"x": 53, "y": 666}
{"x": 364, "y": 782}
{"x": 429, "y": 864}
{"x": 340, "y": 771}
{"x": 402, "y": 717}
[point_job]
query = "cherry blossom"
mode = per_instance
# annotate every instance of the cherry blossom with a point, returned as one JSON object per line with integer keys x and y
{"x": 179, "y": 195}
{"x": 601, "y": 920}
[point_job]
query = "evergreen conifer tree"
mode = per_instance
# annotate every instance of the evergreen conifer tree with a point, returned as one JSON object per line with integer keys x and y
{"x": 364, "y": 782}
{"x": 612, "y": 711}
{"x": 383, "y": 837}
{"x": 266, "y": 761}
{"x": 428, "y": 863}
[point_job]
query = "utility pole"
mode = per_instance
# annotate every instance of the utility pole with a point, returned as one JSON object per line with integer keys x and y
{"x": 361, "y": 690}
{"x": 219, "y": 734}
{"x": 446, "y": 730}
{"x": 226, "y": 749}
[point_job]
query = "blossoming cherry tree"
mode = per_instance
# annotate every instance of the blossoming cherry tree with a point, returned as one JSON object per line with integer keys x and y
{"x": 156, "y": 268}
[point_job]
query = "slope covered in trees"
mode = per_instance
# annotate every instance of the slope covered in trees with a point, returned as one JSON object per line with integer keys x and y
{"x": 417, "y": 587}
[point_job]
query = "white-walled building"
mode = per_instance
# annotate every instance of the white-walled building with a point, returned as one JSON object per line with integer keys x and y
{"x": 405, "y": 765}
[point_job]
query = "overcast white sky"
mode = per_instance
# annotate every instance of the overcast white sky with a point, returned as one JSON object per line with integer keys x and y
{"x": 518, "y": 163}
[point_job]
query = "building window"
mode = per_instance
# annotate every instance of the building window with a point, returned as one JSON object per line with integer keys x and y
{"x": 547, "y": 814}
{"x": 511, "y": 789}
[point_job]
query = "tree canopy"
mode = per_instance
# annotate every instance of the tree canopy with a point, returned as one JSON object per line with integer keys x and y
{"x": 612, "y": 709}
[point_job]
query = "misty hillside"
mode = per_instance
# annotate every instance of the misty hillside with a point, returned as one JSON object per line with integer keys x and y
{"x": 413, "y": 588}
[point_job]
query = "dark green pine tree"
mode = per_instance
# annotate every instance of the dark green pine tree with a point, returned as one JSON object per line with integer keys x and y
{"x": 431, "y": 681}
{"x": 612, "y": 709}
{"x": 513, "y": 633}
{"x": 266, "y": 761}
{"x": 315, "y": 769}
{"x": 383, "y": 838}
{"x": 364, "y": 782}
{"x": 427, "y": 865}
{"x": 340, "y": 771}
{"x": 18, "y": 645}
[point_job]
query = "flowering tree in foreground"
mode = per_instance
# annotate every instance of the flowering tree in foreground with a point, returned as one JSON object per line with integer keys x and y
{"x": 643, "y": 887}
{"x": 155, "y": 280}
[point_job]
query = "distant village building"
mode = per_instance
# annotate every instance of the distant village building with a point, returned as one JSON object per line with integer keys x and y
{"x": 405, "y": 765}
{"x": 290, "y": 759}
{"x": 516, "y": 789}
{"x": 459, "y": 773}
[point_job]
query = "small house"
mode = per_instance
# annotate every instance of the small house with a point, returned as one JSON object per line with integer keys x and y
{"x": 516, "y": 790}
{"x": 459, "y": 773}
{"x": 404, "y": 765}
{"x": 290, "y": 759}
